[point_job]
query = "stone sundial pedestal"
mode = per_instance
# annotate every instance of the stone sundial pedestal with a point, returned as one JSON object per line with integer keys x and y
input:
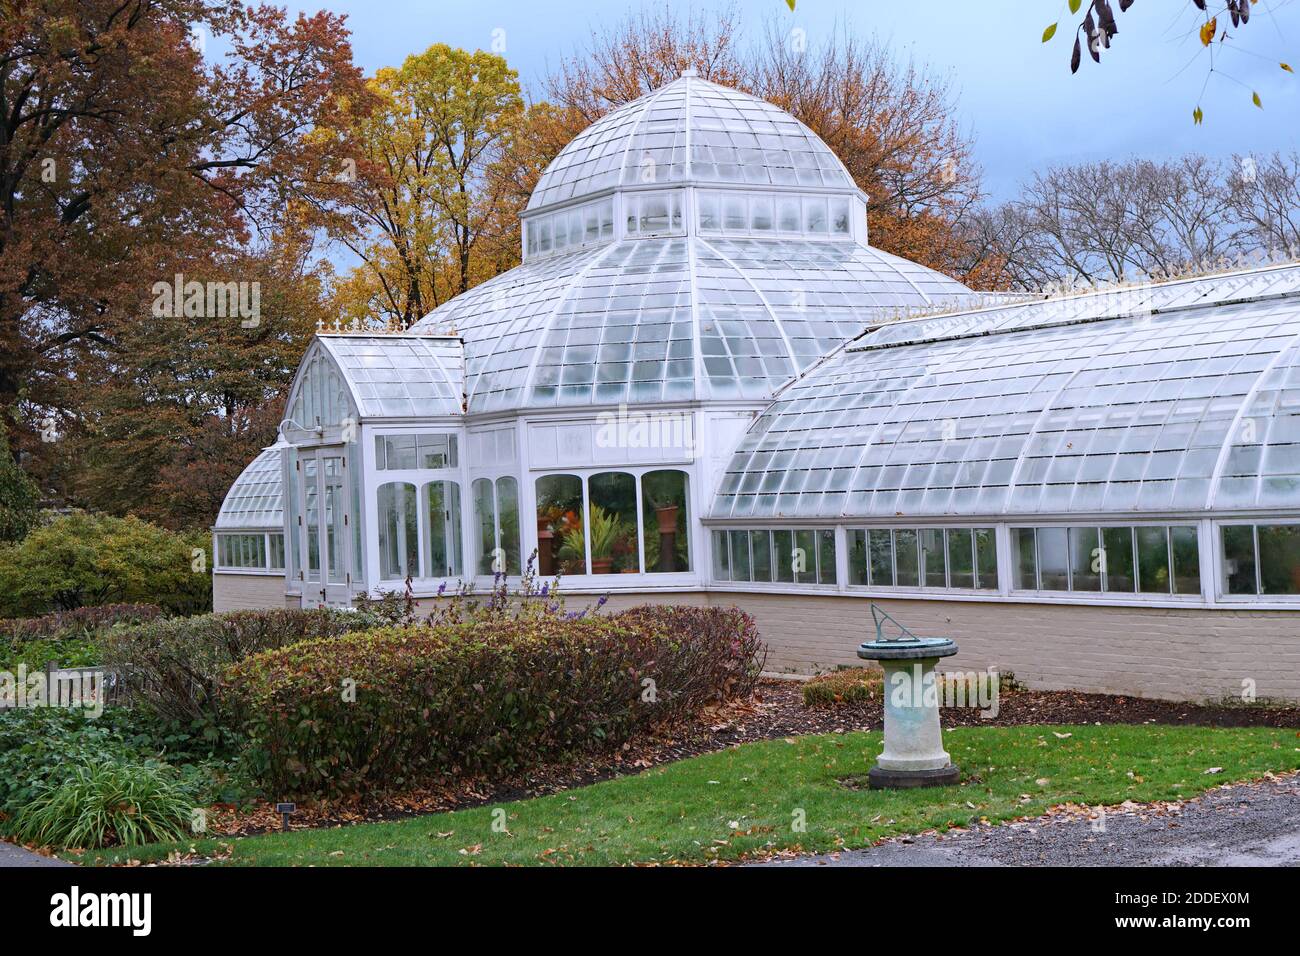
{"x": 913, "y": 754}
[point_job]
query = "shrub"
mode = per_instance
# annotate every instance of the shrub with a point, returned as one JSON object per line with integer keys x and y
{"x": 488, "y": 697}
{"x": 83, "y": 559}
{"x": 66, "y": 637}
{"x": 38, "y": 746}
{"x": 104, "y": 803}
{"x": 172, "y": 666}
{"x": 852, "y": 685}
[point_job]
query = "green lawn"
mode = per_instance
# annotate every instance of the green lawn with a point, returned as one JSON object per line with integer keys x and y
{"x": 749, "y": 800}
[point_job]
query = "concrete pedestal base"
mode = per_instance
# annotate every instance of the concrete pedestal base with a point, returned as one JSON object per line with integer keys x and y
{"x": 878, "y": 778}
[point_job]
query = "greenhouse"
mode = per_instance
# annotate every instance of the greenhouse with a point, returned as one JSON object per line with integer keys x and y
{"x": 702, "y": 384}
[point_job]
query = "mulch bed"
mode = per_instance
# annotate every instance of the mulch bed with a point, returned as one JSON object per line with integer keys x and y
{"x": 776, "y": 711}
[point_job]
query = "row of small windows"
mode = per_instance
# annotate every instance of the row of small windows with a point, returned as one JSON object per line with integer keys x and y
{"x": 1147, "y": 559}
{"x": 258, "y": 551}
{"x": 571, "y": 228}
{"x": 424, "y": 451}
{"x": 965, "y": 558}
{"x": 608, "y": 523}
{"x": 764, "y": 214}
{"x": 780, "y": 556}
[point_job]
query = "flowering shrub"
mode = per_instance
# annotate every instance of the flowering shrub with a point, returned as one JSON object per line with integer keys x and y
{"x": 408, "y": 705}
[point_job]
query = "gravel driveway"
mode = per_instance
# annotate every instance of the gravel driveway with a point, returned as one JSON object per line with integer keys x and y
{"x": 1255, "y": 824}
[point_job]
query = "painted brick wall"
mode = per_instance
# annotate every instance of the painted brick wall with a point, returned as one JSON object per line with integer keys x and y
{"x": 240, "y": 592}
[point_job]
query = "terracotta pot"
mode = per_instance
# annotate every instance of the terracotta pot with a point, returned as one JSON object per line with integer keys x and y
{"x": 667, "y": 519}
{"x": 601, "y": 565}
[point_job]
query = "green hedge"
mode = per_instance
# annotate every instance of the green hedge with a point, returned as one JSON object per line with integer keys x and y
{"x": 84, "y": 559}
{"x": 173, "y": 666}
{"x": 403, "y": 706}
{"x": 71, "y": 638}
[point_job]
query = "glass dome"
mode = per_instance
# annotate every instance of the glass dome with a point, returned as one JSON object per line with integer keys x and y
{"x": 691, "y": 130}
{"x": 1181, "y": 397}
{"x": 256, "y": 499}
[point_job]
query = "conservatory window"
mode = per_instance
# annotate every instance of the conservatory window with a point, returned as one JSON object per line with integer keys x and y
{"x": 1261, "y": 559}
{"x": 611, "y": 523}
{"x": 424, "y": 451}
{"x": 964, "y": 558}
{"x": 1145, "y": 559}
{"x": 496, "y": 524}
{"x": 665, "y": 516}
{"x": 322, "y": 397}
{"x": 275, "y": 551}
{"x": 399, "y": 536}
{"x": 765, "y": 213}
{"x": 651, "y": 213}
{"x": 561, "y": 539}
{"x": 784, "y": 556}
{"x": 244, "y": 551}
{"x": 442, "y": 498}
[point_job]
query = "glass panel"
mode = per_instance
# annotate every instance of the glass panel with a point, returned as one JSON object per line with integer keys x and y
{"x": 1118, "y": 543}
{"x": 484, "y": 525}
{"x": 1085, "y": 559}
{"x": 709, "y": 220}
{"x": 1279, "y": 558}
{"x": 787, "y": 215}
{"x": 1053, "y": 560}
{"x": 336, "y": 528}
{"x": 805, "y": 557}
{"x": 654, "y": 218}
{"x": 666, "y": 520}
{"x": 932, "y": 558}
{"x": 311, "y": 516}
{"x": 561, "y": 544}
{"x": 986, "y": 559}
{"x": 814, "y": 215}
{"x": 733, "y": 213}
{"x": 277, "y": 552}
{"x": 399, "y": 451}
{"x": 1238, "y": 559}
{"x": 508, "y": 513}
{"x": 907, "y": 559}
{"x": 611, "y": 523}
{"x": 826, "y": 556}
{"x": 858, "y": 574}
{"x": 760, "y": 545}
{"x": 1185, "y": 544}
{"x": 760, "y": 214}
{"x": 881, "y": 543}
{"x": 961, "y": 558}
{"x": 840, "y": 216}
{"x": 444, "y": 550}
{"x": 721, "y": 566}
{"x": 1153, "y": 560}
{"x": 1026, "y": 570}
{"x": 437, "y": 451}
{"x": 783, "y": 553}
{"x": 740, "y": 556}
{"x": 399, "y": 549}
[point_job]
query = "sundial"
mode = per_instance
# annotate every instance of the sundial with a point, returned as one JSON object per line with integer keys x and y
{"x": 913, "y": 755}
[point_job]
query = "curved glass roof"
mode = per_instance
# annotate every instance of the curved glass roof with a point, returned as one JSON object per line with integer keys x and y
{"x": 673, "y": 318}
{"x": 1189, "y": 403}
{"x": 256, "y": 499}
{"x": 691, "y": 130}
{"x": 399, "y": 375}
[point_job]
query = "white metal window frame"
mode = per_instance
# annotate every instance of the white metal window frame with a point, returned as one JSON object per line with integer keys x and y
{"x": 922, "y": 589}
{"x": 1259, "y": 599}
{"x": 692, "y": 580}
{"x": 219, "y": 567}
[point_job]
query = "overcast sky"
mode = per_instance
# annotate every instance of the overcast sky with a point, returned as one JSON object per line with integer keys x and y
{"x": 1015, "y": 95}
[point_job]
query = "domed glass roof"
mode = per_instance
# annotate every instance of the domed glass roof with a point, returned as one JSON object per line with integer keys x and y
{"x": 691, "y": 130}
{"x": 672, "y": 319}
{"x": 256, "y": 499}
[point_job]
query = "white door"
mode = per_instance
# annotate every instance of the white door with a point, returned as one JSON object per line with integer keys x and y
{"x": 325, "y": 527}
